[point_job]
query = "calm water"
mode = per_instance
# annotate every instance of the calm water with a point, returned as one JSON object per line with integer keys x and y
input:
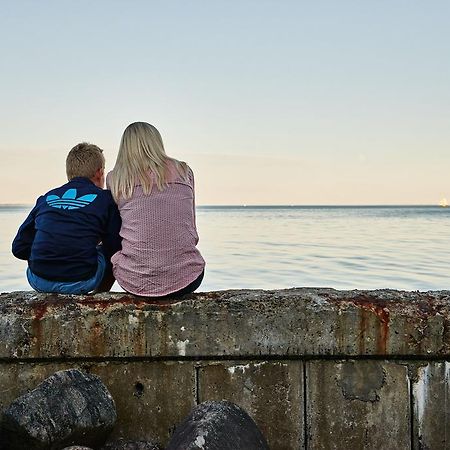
{"x": 280, "y": 247}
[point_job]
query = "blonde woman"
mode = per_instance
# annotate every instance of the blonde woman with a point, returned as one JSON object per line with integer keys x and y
{"x": 155, "y": 197}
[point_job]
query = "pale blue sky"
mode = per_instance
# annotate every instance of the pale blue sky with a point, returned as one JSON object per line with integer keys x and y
{"x": 279, "y": 102}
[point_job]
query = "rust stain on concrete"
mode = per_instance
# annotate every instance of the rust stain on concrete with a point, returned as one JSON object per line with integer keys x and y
{"x": 39, "y": 310}
{"x": 362, "y": 333}
{"x": 381, "y": 311}
{"x": 97, "y": 339}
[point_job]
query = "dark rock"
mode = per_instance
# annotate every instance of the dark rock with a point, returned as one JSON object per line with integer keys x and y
{"x": 218, "y": 426}
{"x": 132, "y": 445}
{"x": 70, "y": 407}
{"x": 77, "y": 447}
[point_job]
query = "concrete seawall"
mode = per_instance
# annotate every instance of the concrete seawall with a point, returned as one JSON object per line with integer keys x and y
{"x": 315, "y": 368}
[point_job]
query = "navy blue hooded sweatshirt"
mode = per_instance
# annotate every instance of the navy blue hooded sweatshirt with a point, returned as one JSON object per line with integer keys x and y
{"x": 60, "y": 235}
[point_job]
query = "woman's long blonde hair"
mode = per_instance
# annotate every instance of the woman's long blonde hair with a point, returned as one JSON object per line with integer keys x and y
{"x": 141, "y": 151}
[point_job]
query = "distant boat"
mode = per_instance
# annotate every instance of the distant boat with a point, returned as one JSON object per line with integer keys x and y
{"x": 443, "y": 203}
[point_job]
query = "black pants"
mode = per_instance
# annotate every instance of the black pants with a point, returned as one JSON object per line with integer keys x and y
{"x": 190, "y": 287}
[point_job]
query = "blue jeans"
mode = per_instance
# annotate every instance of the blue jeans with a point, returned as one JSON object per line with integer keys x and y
{"x": 69, "y": 287}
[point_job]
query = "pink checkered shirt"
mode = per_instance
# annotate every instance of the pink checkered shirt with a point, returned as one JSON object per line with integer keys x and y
{"x": 159, "y": 238}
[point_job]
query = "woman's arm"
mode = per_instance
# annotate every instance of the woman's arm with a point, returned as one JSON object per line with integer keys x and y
{"x": 192, "y": 181}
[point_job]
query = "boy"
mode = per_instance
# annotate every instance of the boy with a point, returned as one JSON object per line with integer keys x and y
{"x": 60, "y": 237}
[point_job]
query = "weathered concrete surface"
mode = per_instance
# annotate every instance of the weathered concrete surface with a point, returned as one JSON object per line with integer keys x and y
{"x": 431, "y": 397}
{"x": 369, "y": 357}
{"x": 70, "y": 407}
{"x": 358, "y": 405}
{"x": 217, "y": 425}
{"x": 151, "y": 398}
{"x": 291, "y": 322}
{"x": 270, "y": 391}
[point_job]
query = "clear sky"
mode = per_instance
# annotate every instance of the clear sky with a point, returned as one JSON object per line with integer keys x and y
{"x": 270, "y": 102}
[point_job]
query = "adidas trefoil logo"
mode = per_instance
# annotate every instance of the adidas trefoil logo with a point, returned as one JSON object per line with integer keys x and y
{"x": 69, "y": 200}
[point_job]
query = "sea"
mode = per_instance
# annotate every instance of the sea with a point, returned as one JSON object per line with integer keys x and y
{"x": 278, "y": 247}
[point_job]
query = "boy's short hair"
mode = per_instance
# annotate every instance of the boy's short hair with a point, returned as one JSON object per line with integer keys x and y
{"x": 84, "y": 160}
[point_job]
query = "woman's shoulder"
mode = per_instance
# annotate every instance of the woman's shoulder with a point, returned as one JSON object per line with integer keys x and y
{"x": 179, "y": 171}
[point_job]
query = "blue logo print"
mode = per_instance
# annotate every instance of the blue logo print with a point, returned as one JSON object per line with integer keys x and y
{"x": 69, "y": 200}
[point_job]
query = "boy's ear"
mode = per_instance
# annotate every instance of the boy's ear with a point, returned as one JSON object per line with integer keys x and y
{"x": 99, "y": 178}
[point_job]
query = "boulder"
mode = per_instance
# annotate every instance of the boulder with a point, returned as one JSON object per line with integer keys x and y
{"x": 70, "y": 407}
{"x": 218, "y": 426}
